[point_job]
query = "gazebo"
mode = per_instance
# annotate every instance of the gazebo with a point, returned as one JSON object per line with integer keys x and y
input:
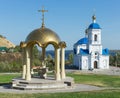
{"x": 43, "y": 37}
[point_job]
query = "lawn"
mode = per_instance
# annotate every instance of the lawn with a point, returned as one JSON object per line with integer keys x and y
{"x": 92, "y": 94}
{"x": 99, "y": 80}
{"x": 6, "y": 78}
{"x": 92, "y": 79}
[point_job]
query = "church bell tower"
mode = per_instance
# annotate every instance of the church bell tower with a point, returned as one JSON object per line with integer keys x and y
{"x": 94, "y": 37}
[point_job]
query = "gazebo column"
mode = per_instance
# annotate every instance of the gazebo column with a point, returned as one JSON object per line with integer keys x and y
{"x": 28, "y": 74}
{"x": 43, "y": 61}
{"x": 62, "y": 63}
{"x": 31, "y": 60}
{"x": 24, "y": 64}
{"x": 57, "y": 64}
{"x": 43, "y": 57}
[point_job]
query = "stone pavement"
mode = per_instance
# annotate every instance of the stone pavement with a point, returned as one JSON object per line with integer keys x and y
{"x": 110, "y": 71}
{"x": 76, "y": 88}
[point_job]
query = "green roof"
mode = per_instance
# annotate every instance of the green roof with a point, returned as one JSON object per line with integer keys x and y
{"x": 3, "y": 49}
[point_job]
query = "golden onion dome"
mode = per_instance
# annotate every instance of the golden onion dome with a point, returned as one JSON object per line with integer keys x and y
{"x": 42, "y": 37}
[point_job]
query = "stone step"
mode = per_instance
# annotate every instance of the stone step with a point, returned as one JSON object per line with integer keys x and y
{"x": 40, "y": 87}
{"x": 42, "y": 84}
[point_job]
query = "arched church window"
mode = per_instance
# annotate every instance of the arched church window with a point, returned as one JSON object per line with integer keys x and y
{"x": 95, "y": 53}
{"x": 95, "y": 37}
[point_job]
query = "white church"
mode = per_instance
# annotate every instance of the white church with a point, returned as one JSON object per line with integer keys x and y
{"x": 88, "y": 52}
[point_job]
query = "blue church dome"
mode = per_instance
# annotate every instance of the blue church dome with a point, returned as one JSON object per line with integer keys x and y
{"x": 94, "y": 26}
{"x": 82, "y": 41}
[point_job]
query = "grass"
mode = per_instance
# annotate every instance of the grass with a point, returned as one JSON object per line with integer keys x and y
{"x": 6, "y": 78}
{"x": 92, "y": 94}
{"x": 92, "y": 79}
{"x": 97, "y": 80}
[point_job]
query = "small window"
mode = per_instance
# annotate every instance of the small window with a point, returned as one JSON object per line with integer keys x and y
{"x": 95, "y": 38}
{"x": 95, "y": 53}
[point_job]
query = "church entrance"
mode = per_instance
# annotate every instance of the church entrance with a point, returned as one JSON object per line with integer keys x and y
{"x": 95, "y": 64}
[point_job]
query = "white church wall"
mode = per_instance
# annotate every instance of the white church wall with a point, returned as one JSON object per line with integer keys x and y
{"x": 91, "y": 35}
{"x": 104, "y": 62}
{"x": 83, "y": 46}
{"x": 95, "y": 48}
{"x": 84, "y": 62}
{"x": 92, "y": 62}
{"x": 98, "y": 33}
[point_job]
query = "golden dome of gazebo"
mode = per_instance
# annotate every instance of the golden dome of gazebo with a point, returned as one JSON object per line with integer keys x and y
{"x": 42, "y": 36}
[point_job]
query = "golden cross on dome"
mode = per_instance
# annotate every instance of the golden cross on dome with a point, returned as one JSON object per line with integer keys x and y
{"x": 43, "y": 11}
{"x": 94, "y": 17}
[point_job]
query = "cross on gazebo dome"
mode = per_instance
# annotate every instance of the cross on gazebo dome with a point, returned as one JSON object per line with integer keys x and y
{"x": 43, "y": 11}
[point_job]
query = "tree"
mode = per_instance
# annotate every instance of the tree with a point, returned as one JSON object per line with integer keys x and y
{"x": 49, "y": 57}
{"x": 111, "y": 60}
{"x": 17, "y": 49}
{"x": 50, "y": 62}
{"x": 36, "y": 56}
{"x": 115, "y": 59}
{"x": 70, "y": 58}
{"x": 2, "y": 36}
{"x": 36, "y": 52}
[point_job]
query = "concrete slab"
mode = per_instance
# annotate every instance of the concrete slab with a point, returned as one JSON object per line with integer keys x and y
{"x": 41, "y": 84}
{"x": 75, "y": 88}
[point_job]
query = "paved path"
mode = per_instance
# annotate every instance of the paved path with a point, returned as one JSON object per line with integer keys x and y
{"x": 76, "y": 88}
{"x": 110, "y": 71}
